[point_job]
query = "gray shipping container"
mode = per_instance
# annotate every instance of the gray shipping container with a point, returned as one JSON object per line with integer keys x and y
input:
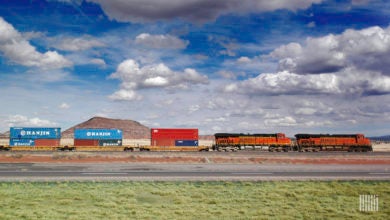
{"x": 116, "y": 142}
{"x": 21, "y": 142}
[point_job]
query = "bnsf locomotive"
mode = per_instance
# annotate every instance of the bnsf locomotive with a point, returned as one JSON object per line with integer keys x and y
{"x": 335, "y": 142}
{"x": 233, "y": 142}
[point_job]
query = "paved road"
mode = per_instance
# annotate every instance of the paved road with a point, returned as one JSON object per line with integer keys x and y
{"x": 38, "y": 172}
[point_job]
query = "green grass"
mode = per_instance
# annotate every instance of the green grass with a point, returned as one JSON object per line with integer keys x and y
{"x": 191, "y": 200}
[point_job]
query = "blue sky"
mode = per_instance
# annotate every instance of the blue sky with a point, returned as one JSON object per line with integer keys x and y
{"x": 288, "y": 66}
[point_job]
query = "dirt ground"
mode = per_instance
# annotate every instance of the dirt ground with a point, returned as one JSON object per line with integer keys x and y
{"x": 194, "y": 158}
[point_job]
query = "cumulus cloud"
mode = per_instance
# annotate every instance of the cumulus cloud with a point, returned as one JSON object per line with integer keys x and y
{"x": 125, "y": 95}
{"x": 191, "y": 10}
{"x": 78, "y": 44}
{"x": 99, "y": 62}
{"x": 286, "y": 83}
{"x": 20, "y": 120}
{"x": 161, "y": 41}
{"x": 356, "y": 62}
{"x": 244, "y": 60}
{"x": 64, "y": 105}
{"x": 285, "y": 121}
{"x": 347, "y": 82}
{"x": 18, "y": 50}
{"x": 135, "y": 78}
{"x": 367, "y": 49}
{"x": 307, "y": 108}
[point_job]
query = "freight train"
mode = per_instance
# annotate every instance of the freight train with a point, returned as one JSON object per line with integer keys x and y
{"x": 170, "y": 139}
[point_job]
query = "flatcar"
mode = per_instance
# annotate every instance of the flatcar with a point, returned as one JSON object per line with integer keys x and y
{"x": 235, "y": 141}
{"x": 334, "y": 142}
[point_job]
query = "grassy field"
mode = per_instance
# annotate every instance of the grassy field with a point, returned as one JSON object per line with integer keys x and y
{"x": 191, "y": 200}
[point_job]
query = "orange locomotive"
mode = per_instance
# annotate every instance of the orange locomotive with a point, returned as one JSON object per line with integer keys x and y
{"x": 335, "y": 142}
{"x": 233, "y": 142}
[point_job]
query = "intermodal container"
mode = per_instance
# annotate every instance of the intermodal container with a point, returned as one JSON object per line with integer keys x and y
{"x": 163, "y": 142}
{"x": 47, "y": 142}
{"x": 174, "y": 133}
{"x": 116, "y": 142}
{"x": 86, "y": 142}
{"x": 98, "y": 134}
{"x": 35, "y": 133}
{"x": 21, "y": 142}
{"x": 189, "y": 143}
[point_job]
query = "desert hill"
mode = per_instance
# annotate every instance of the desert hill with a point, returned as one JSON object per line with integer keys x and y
{"x": 385, "y": 138}
{"x": 4, "y": 135}
{"x": 131, "y": 129}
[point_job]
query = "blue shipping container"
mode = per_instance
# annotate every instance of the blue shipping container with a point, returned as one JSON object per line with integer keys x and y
{"x": 35, "y": 133}
{"x": 97, "y": 134}
{"x": 21, "y": 142}
{"x": 189, "y": 143}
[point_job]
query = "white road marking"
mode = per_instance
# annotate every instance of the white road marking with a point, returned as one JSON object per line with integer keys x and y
{"x": 105, "y": 173}
{"x": 252, "y": 173}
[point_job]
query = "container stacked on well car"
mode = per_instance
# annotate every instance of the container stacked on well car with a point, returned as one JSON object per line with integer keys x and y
{"x": 33, "y": 138}
{"x": 98, "y": 139}
{"x": 174, "y": 139}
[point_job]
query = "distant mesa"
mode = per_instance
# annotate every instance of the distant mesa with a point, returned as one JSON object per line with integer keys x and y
{"x": 131, "y": 129}
{"x": 385, "y": 138}
{"x": 4, "y": 135}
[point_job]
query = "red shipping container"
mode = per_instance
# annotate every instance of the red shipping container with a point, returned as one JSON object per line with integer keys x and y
{"x": 47, "y": 142}
{"x": 163, "y": 142}
{"x": 174, "y": 133}
{"x": 86, "y": 142}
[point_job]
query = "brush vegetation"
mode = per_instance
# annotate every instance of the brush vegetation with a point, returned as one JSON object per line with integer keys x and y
{"x": 191, "y": 200}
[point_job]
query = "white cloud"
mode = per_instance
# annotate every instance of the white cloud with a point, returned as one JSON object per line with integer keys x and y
{"x": 64, "y": 105}
{"x": 77, "y": 44}
{"x": 20, "y": 120}
{"x": 161, "y": 41}
{"x": 135, "y": 78}
{"x": 192, "y": 10}
{"x": 244, "y": 60}
{"x": 311, "y": 24}
{"x": 349, "y": 82}
{"x": 353, "y": 63}
{"x": 20, "y": 51}
{"x": 193, "y": 108}
{"x": 99, "y": 62}
{"x": 125, "y": 95}
{"x": 285, "y": 121}
{"x": 286, "y": 83}
{"x": 367, "y": 49}
{"x": 308, "y": 108}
